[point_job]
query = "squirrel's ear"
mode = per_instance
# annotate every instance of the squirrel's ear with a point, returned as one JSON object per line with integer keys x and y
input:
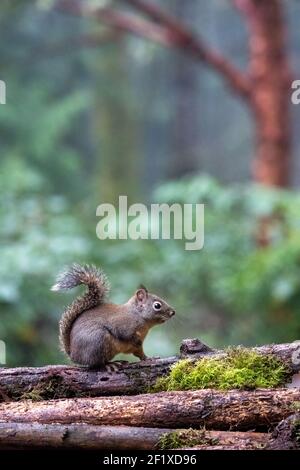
{"x": 142, "y": 293}
{"x": 141, "y": 286}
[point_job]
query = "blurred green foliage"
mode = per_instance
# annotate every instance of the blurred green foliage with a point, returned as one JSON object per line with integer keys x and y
{"x": 69, "y": 139}
{"x": 254, "y": 288}
{"x": 232, "y": 291}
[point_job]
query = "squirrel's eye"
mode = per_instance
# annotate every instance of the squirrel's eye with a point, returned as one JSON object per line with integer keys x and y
{"x": 157, "y": 306}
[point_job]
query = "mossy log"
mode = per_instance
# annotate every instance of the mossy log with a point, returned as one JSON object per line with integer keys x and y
{"x": 82, "y": 436}
{"x": 66, "y": 381}
{"x": 234, "y": 410}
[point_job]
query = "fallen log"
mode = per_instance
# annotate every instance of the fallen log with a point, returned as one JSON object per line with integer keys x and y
{"x": 66, "y": 381}
{"x": 81, "y": 436}
{"x": 214, "y": 409}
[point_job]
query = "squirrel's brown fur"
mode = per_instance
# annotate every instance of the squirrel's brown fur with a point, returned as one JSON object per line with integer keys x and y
{"x": 92, "y": 331}
{"x": 98, "y": 288}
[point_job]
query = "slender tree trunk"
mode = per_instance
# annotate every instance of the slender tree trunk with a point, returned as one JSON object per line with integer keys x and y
{"x": 185, "y": 122}
{"x": 270, "y": 93}
{"x": 115, "y": 129}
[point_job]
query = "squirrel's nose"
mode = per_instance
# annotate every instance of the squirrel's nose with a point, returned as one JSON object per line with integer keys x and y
{"x": 172, "y": 312}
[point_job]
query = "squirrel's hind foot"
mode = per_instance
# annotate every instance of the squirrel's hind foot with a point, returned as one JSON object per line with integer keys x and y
{"x": 115, "y": 366}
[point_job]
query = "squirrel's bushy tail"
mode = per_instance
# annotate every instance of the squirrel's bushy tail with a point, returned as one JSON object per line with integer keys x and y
{"x": 98, "y": 288}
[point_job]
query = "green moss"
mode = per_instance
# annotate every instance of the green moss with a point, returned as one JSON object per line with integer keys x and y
{"x": 35, "y": 395}
{"x": 184, "y": 438}
{"x": 239, "y": 368}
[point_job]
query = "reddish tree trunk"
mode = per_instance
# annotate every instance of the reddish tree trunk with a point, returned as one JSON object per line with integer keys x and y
{"x": 270, "y": 75}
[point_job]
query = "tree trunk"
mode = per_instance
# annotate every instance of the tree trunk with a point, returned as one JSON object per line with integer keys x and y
{"x": 270, "y": 94}
{"x": 49, "y": 382}
{"x": 82, "y": 436}
{"x": 185, "y": 141}
{"x": 234, "y": 410}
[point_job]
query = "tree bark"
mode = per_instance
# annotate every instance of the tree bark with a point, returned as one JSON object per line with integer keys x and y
{"x": 234, "y": 410}
{"x": 286, "y": 435}
{"x": 82, "y": 436}
{"x": 227, "y": 440}
{"x": 77, "y": 436}
{"x": 67, "y": 381}
{"x": 270, "y": 93}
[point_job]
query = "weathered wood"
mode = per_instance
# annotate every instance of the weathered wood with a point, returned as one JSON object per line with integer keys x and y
{"x": 286, "y": 435}
{"x": 66, "y": 381}
{"x": 214, "y": 409}
{"x": 226, "y": 440}
{"x": 82, "y": 436}
{"x": 233, "y": 446}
